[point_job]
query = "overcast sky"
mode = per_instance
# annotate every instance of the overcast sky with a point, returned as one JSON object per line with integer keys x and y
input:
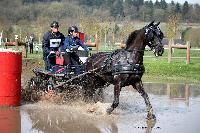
{"x": 181, "y": 1}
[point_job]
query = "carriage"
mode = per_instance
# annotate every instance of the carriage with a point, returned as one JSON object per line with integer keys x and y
{"x": 56, "y": 79}
{"x": 121, "y": 68}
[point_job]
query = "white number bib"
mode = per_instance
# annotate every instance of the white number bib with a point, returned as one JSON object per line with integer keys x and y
{"x": 54, "y": 43}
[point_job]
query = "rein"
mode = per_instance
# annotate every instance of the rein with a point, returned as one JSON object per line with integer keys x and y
{"x": 135, "y": 50}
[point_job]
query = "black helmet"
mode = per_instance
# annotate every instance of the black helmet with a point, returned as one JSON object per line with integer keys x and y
{"x": 54, "y": 24}
{"x": 72, "y": 28}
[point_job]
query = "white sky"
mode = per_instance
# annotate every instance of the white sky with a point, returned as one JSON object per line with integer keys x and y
{"x": 181, "y": 1}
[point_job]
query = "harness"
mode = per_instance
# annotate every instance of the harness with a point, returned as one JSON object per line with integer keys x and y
{"x": 125, "y": 64}
{"x": 128, "y": 68}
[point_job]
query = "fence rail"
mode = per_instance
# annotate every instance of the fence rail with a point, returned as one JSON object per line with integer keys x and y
{"x": 171, "y": 45}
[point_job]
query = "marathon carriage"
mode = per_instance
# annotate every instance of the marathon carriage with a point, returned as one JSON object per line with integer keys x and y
{"x": 62, "y": 76}
{"x": 59, "y": 72}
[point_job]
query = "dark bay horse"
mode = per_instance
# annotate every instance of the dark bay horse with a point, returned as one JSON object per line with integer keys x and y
{"x": 125, "y": 66}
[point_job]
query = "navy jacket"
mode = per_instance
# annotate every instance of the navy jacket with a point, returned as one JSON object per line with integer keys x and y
{"x": 70, "y": 41}
{"x": 48, "y": 39}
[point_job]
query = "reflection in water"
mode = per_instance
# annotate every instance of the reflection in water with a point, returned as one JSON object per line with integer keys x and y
{"x": 174, "y": 91}
{"x": 179, "y": 92}
{"x": 64, "y": 120}
{"x": 167, "y": 99}
{"x": 10, "y": 120}
{"x": 55, "y": 122}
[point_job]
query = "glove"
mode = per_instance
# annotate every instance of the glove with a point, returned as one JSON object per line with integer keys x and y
{"x": 71, "y": 49}
{"x": 51, "y": 52}
{"x": 67, "y": 50}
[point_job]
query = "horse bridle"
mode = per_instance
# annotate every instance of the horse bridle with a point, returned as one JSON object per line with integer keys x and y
{"x": 151, "y": 34}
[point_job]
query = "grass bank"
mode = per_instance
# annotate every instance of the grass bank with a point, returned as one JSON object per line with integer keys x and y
{"x": 159, "y": 70}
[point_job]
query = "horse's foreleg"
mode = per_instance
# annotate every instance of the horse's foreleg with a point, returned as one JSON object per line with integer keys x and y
{"x": 139, "y": 87}
{"x": 116, "y": 98}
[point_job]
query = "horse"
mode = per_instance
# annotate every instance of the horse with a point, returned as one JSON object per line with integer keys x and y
{"x": 125, "y": 67}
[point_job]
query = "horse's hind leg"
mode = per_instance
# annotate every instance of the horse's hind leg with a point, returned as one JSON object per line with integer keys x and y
{"x": 139, "y": 87}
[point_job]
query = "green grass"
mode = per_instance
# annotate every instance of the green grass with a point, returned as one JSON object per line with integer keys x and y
{"x": 161, "y": 71}
{"x": 158, "y": 69}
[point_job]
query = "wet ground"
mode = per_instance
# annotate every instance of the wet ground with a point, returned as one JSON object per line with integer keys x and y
{"x": 176, "y": 106}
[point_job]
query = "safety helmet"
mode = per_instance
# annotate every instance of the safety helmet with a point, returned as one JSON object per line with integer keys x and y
{"x": 54, "y": 24}
{"x": 72, "y": 28}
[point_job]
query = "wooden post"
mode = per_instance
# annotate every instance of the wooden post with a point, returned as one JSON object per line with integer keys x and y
{"x": 188, "y": 53}
{"x": 97, "y": 45}
{"x": 171, "y": 46}
{"x": 169, "y": 51}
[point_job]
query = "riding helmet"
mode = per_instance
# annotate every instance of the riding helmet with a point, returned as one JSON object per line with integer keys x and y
{"x": 72, "y": 28}
{"x": 54, "y": 24}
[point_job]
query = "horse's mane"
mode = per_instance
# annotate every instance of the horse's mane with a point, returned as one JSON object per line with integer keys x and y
{"x": 132, "y": 37}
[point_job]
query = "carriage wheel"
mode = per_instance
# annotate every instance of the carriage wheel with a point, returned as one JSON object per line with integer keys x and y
{"x": 34, "y": 89}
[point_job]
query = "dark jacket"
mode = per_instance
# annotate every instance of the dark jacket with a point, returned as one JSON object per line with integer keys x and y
{"x": 48, "y": 36}
{"x": 70, "y": 41}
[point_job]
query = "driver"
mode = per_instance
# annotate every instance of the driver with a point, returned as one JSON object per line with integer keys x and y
{"x": 71, "y": 44}
{"x": 52, "y": 41}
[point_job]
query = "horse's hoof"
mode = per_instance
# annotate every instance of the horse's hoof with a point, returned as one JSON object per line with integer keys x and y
{"x": 109, "y": 110}
{"x": 151, "y": 123}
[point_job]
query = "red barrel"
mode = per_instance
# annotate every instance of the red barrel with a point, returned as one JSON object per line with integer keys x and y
{"x": 10, "y": 78}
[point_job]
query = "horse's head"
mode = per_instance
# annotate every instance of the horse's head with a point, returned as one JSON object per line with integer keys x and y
{"x": 154, "y": 38}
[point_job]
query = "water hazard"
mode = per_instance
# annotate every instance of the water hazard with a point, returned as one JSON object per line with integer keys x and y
{"x": 176, "y": 106}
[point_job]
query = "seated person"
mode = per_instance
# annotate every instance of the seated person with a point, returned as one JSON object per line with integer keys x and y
{"x": 52, "y": 41}
{"x": 71, "y": 44}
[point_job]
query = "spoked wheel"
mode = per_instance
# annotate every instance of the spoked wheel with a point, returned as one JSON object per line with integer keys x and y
{"x": 34, "y": 86}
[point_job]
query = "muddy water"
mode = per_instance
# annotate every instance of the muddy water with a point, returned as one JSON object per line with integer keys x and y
{"x": 176, "y": 106}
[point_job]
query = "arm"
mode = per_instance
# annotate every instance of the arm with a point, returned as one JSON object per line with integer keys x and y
{"x": 61, "y": 47}
{"x": 82, "y": 45}
{"x": 45, "y": 43}
{"x": 67, "y": 43}
{"x": 62, "y": 39}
